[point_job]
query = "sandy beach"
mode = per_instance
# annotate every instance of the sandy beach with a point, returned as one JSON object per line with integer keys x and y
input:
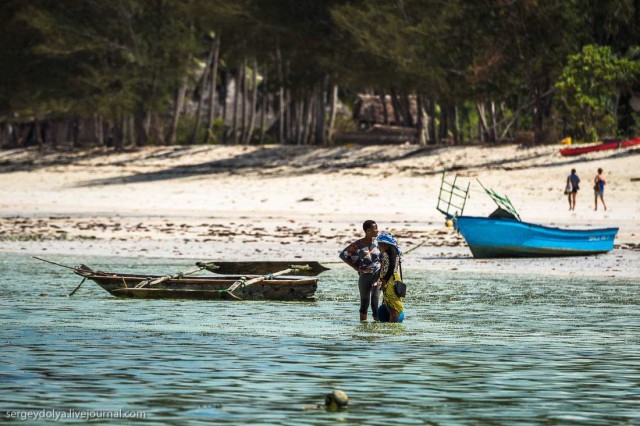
{"x": 265, "y": 203}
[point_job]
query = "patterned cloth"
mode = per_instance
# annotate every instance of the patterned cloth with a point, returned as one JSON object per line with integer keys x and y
{"x": 387, "y": 238}
{"x": 384, "y": 265}
{"x": 365, "y": 258}
{"x": 390, "y": 298}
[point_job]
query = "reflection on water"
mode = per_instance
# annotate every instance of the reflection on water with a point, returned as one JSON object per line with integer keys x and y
{"x": 473, "y": 349}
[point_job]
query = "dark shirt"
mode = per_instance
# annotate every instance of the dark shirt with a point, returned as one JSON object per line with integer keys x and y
{"x": 575, "y": 180}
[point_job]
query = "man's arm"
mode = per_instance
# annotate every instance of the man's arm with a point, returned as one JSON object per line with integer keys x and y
{"x": 350, "y": 256}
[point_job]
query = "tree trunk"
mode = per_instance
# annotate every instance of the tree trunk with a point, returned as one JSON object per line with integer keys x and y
{"x": 245, "y": 96}
{"x": 332, "y": 114}
{"x": 408, "y": 112}
{"x": 4, "y": 139}
{"x": 455, "y": 130}
{"x": 236, "y": 97}
{"x": 482, "y": 121}
{"x": 38, "y": 136}
{"x": 295, "y": 123}
{"x": 130, "y": 131}
{"x": 320, "y": 112}
{"x": 253, "y": 103}
{"x": 265, "y": 103}
{"x": 211, "y": 136}
{"x": 290, "y": 114}
{"x": 542, "y": 109}
{"x": 157, "y": 129}
{"x": 299, "y": 120}
{"x": 422, "y": 140}
{"x": 125, "y": 128}
{"x": 141, "y": 120}
{"x": 396, "y": 107}
{"x": 442, "y": 124}
{"x": 118, "y": 132}
{"x": 201, "y": 92}
{"x": 182, "y": 90}
{"x": 224, "y": 86}
{"x": 97, "y": 129}
{"x": 106, "y": 133}
{"x": 383, "y": 100}
{"x": 281, "y": 113}
{"x": 53, "y": 131}
{"x": 433, "y": 135}
{"x": 307, "y": 114}
{"x": 13, "y": 135}
{"x": 494, "y": 123}
{"x": 309, "y": 125}
{"x": 75, "y": 132}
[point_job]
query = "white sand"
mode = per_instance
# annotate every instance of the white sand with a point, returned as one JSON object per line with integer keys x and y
{"x": 245, "y": 202}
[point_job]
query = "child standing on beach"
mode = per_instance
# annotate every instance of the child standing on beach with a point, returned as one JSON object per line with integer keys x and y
{"x": 598, "y": 188}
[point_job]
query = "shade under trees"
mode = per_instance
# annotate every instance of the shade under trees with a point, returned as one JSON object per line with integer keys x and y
{"x": 283, "y": 71}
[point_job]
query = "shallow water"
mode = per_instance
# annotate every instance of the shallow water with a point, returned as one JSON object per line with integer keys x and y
{"x": 473, "y": 349}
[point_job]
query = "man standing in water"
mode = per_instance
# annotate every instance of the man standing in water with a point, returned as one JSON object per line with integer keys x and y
{"x": 363, "y": 255}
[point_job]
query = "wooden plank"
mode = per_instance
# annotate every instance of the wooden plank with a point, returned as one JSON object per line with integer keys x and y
{"x": 256, "y": 280}
{"x": 263, "y": 268}
{"x": 157, "y": 293}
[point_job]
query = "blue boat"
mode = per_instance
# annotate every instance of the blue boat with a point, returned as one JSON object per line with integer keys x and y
{"x": 504, "y": 234}
{"x": 507, "y": 237}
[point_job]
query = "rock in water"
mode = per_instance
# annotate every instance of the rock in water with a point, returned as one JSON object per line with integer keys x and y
{"x": 336, "y": 400}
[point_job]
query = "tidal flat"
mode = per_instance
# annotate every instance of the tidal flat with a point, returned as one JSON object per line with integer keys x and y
{"x": 475, "y": 348}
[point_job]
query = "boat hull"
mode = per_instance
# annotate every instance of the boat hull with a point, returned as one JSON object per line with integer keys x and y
{"x": 495, "y": 238}
{"x": 568, "y": 152}
{"x": 204, "y": 288}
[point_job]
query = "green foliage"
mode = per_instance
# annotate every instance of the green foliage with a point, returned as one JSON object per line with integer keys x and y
{"x": 590, "y": 85}
{"x": 215, "y": 133}
{"x": 129, "y": 58}
{"x": 344, "y": 123}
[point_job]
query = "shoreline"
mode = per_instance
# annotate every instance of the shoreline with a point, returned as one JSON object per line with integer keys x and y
{"x": 268, "y": 203}
{"x": 444, "y": 248}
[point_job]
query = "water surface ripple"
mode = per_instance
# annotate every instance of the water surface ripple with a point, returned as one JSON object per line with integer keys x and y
{"x": 474, "y": 349}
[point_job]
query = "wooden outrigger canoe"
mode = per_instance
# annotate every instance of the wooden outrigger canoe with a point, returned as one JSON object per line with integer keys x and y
{"x": 261, "y": 283}
{"x": 202, "y": 288}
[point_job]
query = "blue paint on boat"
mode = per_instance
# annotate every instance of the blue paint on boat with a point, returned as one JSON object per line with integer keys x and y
{"x": 491, "y": 238}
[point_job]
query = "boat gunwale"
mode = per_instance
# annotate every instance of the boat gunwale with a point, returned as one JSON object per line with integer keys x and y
{"x": 530, "y": 224}
{"x": 200, "y": 280}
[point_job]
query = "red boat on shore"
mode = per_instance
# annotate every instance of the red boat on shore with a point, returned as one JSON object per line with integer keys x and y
{"x": 567, "y": 152}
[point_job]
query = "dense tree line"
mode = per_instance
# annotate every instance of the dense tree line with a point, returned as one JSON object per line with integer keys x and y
{"x": 258, "y": 71}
